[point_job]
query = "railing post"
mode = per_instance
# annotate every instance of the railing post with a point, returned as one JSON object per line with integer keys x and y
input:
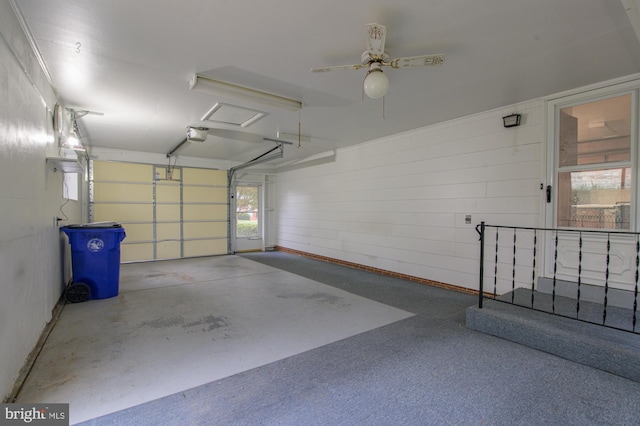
{"x": 635, "y": 291}
{"x": 606, "y": 281}
{"x": 579, "y": 275}
{"x": 481, "y": 283}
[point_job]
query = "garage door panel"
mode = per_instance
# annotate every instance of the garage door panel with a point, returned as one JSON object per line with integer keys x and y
{"x": 167, "y": 231}
{"x": 199, "y": 194}
{"x": 167, "y": 175}
{"x": 204, "y": 212}
{"x": 122, "y": 213}
{"x": 122, "y": 192}
{"x": 138, "y": 231}
{"x": 205, "y": 229}
{"x": 168, "y": 250}
{"x": 167, "y": 212}
{"x": 123, "y": 172}
{"x": 168, "y": 194}
{"x": 205, "y": 247}
{"x": 192, "y": 176}
{"x": 133, "y": 252}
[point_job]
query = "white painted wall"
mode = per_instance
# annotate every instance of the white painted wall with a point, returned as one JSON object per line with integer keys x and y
{"x": 399, "y": 203}
{"x": 31, "y": 280}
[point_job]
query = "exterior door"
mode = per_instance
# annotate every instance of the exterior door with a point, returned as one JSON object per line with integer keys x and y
{"x": 248, "y": 218}
{"x": 594, "y": 170}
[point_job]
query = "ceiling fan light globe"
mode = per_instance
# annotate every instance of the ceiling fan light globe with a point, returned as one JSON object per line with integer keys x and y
{"x": 376, "y": 84}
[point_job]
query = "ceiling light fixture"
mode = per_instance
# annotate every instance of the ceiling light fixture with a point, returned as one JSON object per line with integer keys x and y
{"x": 222, "y": 88}
{"x": 376, "y": 82}
{"x": 72, "y": 140}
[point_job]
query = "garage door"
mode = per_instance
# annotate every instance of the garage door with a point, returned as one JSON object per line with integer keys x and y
{"x": 167, "y": 212}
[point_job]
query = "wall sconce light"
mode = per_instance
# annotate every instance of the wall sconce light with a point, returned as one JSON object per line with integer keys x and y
{"x": 512, "y": 120}
{"x": 72, "y": 140}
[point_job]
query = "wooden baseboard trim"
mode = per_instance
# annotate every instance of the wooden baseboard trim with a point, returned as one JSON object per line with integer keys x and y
{"x": 379, "y": 271}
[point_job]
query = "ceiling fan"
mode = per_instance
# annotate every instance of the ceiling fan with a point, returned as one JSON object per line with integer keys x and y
{"x": 375, "y": 57}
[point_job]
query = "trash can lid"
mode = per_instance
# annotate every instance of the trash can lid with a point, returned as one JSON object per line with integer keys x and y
{"x": 95, "y": 225}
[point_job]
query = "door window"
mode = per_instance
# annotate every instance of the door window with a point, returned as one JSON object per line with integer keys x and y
{"x": 594, "y": 167}
{"x": 247, "y": 212}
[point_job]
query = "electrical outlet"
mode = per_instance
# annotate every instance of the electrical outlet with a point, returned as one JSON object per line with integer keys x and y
{"x": 467, "y": 219}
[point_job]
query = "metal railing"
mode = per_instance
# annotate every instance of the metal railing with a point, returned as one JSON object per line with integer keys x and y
{"x": 587, "y": 275}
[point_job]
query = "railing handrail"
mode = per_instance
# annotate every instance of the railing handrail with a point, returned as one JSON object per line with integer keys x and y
{"x": 481, "y": 229}
{"x": 584, "y": 230}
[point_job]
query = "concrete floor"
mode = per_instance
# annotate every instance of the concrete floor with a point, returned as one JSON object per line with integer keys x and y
{"x": 180, "y": 324}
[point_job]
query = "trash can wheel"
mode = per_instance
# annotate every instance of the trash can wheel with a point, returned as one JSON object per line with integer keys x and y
{"x": 77, "y": 292}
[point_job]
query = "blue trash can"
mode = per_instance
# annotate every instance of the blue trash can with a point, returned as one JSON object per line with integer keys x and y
{"x": 95, "y": 260}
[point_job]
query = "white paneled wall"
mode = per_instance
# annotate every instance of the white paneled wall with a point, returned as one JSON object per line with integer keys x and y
{"x": 31, "y": 277}
{"x": 399, "y": 203}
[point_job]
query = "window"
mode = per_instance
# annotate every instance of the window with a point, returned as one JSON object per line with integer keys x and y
{"x": 594, "y": 171}
{"x": 70, "y": 186}
{"x": 247, "y": 208}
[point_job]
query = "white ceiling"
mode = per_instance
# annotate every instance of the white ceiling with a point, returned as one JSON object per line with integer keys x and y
{"x": 132, "y": 61}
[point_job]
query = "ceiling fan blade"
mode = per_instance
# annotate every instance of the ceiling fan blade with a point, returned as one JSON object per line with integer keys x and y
{"x": 338, "y": 67}
{"x": 418, "y": 61}
{"x": 376, "y": 35}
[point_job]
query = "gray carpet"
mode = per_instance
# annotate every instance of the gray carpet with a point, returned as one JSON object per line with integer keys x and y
{"x": 426, "y": 370}
{"x": 604, "y": 348}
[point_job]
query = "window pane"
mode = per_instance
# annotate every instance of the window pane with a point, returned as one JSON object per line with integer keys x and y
{"x": 247, "y": 211}
{"x": 595, "y": 132}
{"x": 595, "y": 199}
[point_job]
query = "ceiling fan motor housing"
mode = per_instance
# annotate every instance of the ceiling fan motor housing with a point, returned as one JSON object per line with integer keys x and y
{"x": 367, "y": 59}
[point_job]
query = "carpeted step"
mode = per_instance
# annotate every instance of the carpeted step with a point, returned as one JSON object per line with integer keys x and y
{"x": 604, "y": 348}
